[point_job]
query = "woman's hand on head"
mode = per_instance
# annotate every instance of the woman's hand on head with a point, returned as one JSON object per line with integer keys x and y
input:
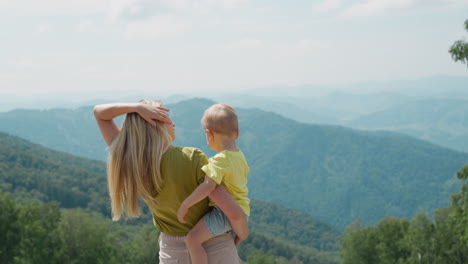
{"x": 151, "y": 113}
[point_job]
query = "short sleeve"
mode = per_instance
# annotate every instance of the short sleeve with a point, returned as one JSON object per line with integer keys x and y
{"x": 216, "y": 168}
{"x": 200, "y": 160}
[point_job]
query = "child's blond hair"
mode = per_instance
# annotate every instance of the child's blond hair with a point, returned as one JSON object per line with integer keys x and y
{"x": 221, "y": 118}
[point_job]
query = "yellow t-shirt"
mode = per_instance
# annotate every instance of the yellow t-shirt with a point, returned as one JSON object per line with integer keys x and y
{"x": 181, "y": 174}
{"x": 230, "y": 169}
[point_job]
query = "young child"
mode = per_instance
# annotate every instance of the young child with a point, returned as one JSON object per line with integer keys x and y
{"x": 228, "y": 168}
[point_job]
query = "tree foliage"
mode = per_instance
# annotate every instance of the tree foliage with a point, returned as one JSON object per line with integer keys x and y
{"x": 283, "y": 223}
{"x": 280, "y": 251}
{"x": 459, "y": 49}
{"x": 39, "y": 237}
{"x": 459, "y": 206}
{"x": 9, "y": 229}
{"x": 43, "y": 233}
{"x": 420, "y": 240}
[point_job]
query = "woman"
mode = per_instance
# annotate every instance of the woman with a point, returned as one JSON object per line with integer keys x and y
{"x": 144, "y": 163}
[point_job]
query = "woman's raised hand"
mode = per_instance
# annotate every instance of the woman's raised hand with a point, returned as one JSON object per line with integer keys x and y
{"x": 151, "y": 113}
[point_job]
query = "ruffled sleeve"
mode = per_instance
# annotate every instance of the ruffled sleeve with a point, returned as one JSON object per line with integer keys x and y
{"x": 216, "y": 168}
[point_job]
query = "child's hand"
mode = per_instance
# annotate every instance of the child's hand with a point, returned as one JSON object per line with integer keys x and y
{"x": 181, "y": 213}
{"x": 238, "y": 240}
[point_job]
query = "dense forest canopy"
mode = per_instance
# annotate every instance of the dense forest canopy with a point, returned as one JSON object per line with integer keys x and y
{"x": 441, "y": 240}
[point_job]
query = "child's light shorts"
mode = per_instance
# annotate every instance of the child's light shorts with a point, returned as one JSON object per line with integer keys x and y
{"x": 217, "y": 222}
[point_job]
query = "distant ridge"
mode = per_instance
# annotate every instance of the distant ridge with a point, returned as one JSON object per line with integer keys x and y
{"x": 442, "y": 121}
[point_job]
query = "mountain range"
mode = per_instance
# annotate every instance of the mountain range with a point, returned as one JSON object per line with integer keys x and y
{"x": 333, "y": 173}
{"x": 399, "y": 106}
{"x": 442, "y": 121}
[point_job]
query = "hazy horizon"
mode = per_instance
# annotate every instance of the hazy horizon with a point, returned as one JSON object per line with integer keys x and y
{"x": 84, "y": 50}
{"x": 74, "y": 99}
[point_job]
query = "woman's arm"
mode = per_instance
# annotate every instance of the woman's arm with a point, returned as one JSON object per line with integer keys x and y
{"x": 232, "y": 211}
{"x": 105, "y": 114}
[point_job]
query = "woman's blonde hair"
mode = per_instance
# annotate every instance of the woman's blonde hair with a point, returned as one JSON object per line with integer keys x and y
{"x": 134, "y": 164}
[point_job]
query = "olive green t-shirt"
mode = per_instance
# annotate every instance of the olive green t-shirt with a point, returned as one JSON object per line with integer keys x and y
{"x": 181, "y": 174}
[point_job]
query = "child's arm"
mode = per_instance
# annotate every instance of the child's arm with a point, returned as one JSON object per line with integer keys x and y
{"x": 233, "y": 212}
{"x": 200, "y": 193}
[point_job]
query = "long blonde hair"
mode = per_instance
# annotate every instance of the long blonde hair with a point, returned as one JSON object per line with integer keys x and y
{"x": 134, "y": 164}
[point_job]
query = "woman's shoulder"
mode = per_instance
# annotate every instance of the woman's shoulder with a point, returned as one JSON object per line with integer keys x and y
{"x": 189, "y": 152}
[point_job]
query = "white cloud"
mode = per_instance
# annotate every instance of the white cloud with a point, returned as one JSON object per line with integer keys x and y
{"x": 119, "y": 7}
{"x": 22, "y": 64}
{"x": 203, "y": 4}
{"x": 245, "y": 44}
{"x": 446, "y": 3}
{"x": 328, "y": 5}
{"x": 309, "y": 44}
{"x": 86, "y": 26}
{"x": 371, "y": 8}
{"x": 156, "y": 27}
{"x": 375, "y": 7}
{"x": 54, "y": 7}
{"x": 264, "y": 53}
{"x": 42, "y": 29}
{"x": 90, "y": 69}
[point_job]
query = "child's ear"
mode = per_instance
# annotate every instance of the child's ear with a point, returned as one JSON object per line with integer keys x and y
{"x": 209, "y": 133}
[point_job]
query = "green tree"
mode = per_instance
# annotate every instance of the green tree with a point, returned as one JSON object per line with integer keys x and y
{"x": 358, "y": 245}
{"x": 85, "y": 239}
{"x": 449, "y": 247}
{"x": 420, "y": 240}
{"x": 457, "y": 221}
{"x": 459, "y": 49}
{"x": 258, "y": 257}
{"x": 39, "y": 239}
{"x": 391, "y": 247}
{"x": 9, "y": 229}
{"x": 460, "y": 205}
{"x": 142, "y": 247}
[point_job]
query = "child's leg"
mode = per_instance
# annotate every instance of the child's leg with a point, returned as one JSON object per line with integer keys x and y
{"x": 195, "y": 238}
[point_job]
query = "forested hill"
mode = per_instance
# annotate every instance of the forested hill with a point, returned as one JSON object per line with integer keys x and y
{"x": 32, "y": 172}
{"x": 71, "y": 131}
{"x": 334, "y": 173}
{"x": 444, "y": 121}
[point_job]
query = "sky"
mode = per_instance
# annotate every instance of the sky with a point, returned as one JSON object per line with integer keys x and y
{"x": 87, "y": 49}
